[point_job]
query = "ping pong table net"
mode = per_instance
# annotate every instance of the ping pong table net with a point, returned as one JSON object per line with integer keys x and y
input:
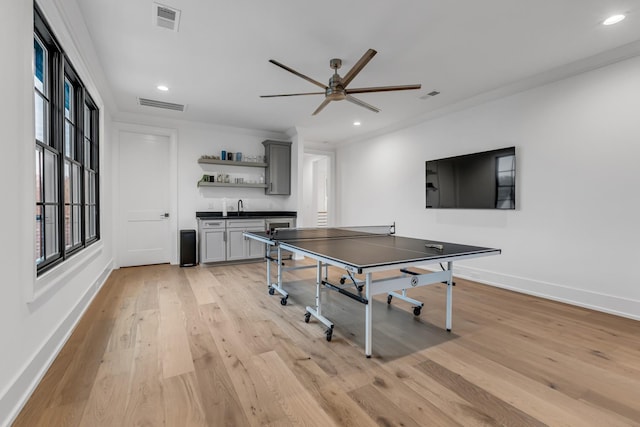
{"x": 332, "y": 232}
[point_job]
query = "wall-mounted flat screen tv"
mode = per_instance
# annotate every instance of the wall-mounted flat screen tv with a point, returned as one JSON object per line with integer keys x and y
{"x": 485, "y": 180}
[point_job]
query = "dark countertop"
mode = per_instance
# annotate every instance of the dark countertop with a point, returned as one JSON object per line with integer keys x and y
{"x": 247, "y": 214}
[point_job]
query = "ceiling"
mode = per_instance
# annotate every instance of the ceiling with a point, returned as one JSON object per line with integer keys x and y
{"x": 217, "y": 63}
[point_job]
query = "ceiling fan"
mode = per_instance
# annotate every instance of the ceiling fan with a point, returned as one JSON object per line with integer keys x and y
{"x": 337, "y": 89}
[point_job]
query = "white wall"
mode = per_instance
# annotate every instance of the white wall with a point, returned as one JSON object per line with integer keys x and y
{"x": 36, "y": 316}
{"x": 197, "y": 139}
{"x": 574, "y": 235}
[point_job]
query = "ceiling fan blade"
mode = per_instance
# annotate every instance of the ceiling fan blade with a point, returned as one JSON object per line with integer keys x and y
{"x": 383, "y": 88}
{"x": 324, "y": 104}
{"x": 358, "y": 67}
{"x": 292, "y": 94}
{"x": 362, "y": 103}
{"x": 291, "y": 70}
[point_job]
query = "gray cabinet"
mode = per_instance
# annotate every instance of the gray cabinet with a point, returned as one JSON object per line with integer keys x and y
{"x": 278, "y": 172}
{"x": 254, "y": 248}
{"x": 212, "y": 241}
{"x": 223, "y": 240}
{"x": 235, "y": 244}
{"x": 238, "y": 246}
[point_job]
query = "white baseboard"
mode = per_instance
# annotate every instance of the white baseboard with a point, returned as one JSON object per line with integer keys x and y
{"x": 20, "y": 389}
{"x": 624, "y": 307}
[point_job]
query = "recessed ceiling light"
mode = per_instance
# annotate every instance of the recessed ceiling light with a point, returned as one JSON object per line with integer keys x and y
{"x": 356, "y": 123}
{"x": 163, "y": 88}
{"x": 614, "y": 19}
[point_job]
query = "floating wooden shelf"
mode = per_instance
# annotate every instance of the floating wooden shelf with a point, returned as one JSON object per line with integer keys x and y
{"x": 230, "y": 184}
{"x": 232, "y": 163}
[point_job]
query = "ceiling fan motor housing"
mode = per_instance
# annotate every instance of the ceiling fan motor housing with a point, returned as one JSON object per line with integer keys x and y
{"x": 335, "y": 91}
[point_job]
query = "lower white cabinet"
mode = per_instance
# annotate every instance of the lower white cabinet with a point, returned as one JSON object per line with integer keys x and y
{"x": 223, "y": 240}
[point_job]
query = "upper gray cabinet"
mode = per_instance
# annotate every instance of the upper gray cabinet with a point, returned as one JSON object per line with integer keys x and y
{"x": 278, "y": 173}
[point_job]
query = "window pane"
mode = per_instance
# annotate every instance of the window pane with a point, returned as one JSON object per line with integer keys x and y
{"x": 92, "y": 219}
{"x": 39, "y": 235}
{"x": 39, "y": 66}
{"x": 86, "y": 186}
{"x": 51, "y": 231}
{"x": 505, "y": 193}
{"x": 76, "y": 224}
{"x": 39, "y": 175}
{"x": 68, "y": 139}
{"x": 505, "y": 204}
{"x": 506, "y": 163}
{"x": 506, "y": 178}
{"x": 92, "y": 188}
{"x": 87, "y": 122}
{"x": 86, "y": 222}
{"x": 67, "y": 226}
{"x": 68, "y": 100}
{"x": 67, "y": 182}
{"x": 87, "y": 153}
{"x": 50, "y": 177}
{"x": 40, "y": 106}
{"x": 75, "y": 183}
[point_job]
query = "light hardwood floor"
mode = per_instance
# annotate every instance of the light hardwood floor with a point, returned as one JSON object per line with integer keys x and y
{"x": 207, "y": 346}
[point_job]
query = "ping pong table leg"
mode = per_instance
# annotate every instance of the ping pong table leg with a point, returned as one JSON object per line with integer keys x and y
{"x": 279, "y": 267}
{"x": 368, "y": 317}
{"x": 277, "y": 286}
{"x": 449, "y": 295}
{"x": 267, "y": 258}
{"x": 317, "y": 311}
{"x": 318, "y": 293}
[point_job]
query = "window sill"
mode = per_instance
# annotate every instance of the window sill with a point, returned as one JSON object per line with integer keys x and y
{"x": 52, "y": 280}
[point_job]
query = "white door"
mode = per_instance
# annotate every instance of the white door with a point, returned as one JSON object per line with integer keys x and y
{"x": 317, "y": 195}
{"x": 143, "y": 167}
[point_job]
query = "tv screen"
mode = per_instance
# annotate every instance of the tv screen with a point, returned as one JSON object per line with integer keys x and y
{"x": 485, "y": 180}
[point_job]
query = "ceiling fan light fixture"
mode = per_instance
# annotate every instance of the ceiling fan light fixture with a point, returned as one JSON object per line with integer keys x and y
{"x": 613, "y": 19}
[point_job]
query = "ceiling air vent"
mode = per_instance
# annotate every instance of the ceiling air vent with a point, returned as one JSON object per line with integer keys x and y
{"x": 166, "y": 17}
{"x": 430, "y": 94}
{"x": 160, "y": 104}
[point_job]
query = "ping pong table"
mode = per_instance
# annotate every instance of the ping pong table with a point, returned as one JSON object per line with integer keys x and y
{"x": 365, "y": 250}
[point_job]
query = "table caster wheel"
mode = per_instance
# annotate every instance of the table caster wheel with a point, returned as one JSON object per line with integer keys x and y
{"x": 416, "y": 311}
{"x": 329, "y": 334}
{"x": 342, "y": 280}
{"x": 272, "y": 291}
{"x": 283, "y": 301}
{"x": 307, "y": 316}
{"x": 389, "y": 298}
{"x": 360, "y": 288}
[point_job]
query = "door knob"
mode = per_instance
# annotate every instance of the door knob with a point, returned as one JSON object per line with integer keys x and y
{"x": 165, "y": 215}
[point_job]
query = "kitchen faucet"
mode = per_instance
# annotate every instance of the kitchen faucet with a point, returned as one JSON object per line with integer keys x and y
{"x": 240, "y": 205}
